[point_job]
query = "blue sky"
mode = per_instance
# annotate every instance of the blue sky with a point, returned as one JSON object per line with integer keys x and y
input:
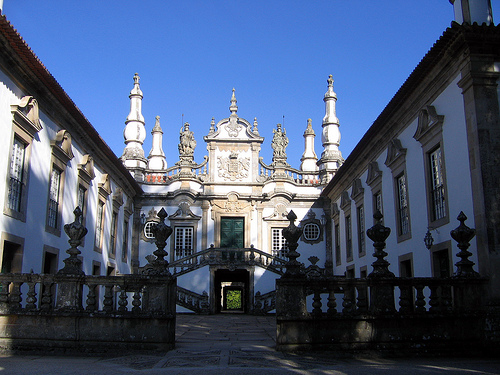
{"x": 190, "y": 54}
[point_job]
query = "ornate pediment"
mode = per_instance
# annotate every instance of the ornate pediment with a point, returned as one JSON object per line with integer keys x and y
{"x": 26, "y": 115}
{"x": 232, "y": 204}
{"x": 345, "y": 201}
{"x": 357, "y": 189}
{"x": 184, "y": 212}
{"x": 105, "y": 186}
{"x": 396, "y": 153}
{"x": 61, "y": 146}
{"x": 86, "y": 169}
{"x": 335, "y": 209}
{"x": 280, "y": 205}
{"x": 118, "y": 199}
{"x": 374, "y": 173}
{"x": 429, "y": 124}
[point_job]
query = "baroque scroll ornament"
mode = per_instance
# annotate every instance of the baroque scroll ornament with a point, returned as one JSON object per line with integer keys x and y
{"x": 233, "y": 168}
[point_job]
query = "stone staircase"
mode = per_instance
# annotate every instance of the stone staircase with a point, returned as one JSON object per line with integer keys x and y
{"x": 232, "y": 258}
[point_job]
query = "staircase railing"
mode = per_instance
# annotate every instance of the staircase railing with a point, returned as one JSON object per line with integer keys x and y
{"x": 228, "y": 256}
{"x": 264, "y": 303}
{"x": 193, "y": 301}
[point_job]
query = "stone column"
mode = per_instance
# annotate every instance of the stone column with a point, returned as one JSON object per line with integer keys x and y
{"x": 479, "y": 85}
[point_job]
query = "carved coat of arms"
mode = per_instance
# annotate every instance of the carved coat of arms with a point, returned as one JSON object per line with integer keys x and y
{"x": 233, "y": 168}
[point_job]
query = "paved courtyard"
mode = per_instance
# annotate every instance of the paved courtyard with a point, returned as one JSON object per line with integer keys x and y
{"x": 237, "y": 344}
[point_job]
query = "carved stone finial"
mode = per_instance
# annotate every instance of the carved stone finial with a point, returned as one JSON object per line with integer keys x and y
{"x": 463, "y": 235}
{"x": 233, "y": 107}
{"x": 255, "y": 125}
{"x": 330, "y": 81}
{"x": 212, "y": 126}
{"x": 75, "y": 231}
{"x": 161, "y": 231}
{"x": 378, "y": 234}
{"x": 292, "y": 233}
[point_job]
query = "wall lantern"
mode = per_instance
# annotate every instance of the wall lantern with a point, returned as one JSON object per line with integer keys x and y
{"x": 143, "y": 218}
{"x": 323, "y": 220}
{"x": 428, "y": 240}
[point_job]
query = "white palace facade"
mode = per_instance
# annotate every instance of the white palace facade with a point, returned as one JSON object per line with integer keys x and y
{"x": 432, "y": 153}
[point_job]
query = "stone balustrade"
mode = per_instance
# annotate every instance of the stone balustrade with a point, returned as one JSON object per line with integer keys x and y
{"x": 315, "y": 310}
{"x": 269, "y": 172}
{"x": 74, "y": 312}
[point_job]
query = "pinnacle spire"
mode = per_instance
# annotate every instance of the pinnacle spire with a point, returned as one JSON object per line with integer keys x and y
{"x": 157, "y": 160}
{"x": 135, "y": 131}
{"x": 233, "y": 108}
{"x": 309, "y": 158}
{"x": 331, "y": 158}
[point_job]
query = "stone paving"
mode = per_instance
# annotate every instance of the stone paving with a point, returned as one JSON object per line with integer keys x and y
{"x": 237, "y": 344}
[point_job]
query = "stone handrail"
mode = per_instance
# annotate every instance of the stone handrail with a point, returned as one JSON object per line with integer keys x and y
{"x": 177, "y": 171}
{"x": 193, "y": 301}
{"x": 230, "y": 256}
{"x": 107, "y": 295}
{"x": 269, "y": 172}
{"x": 264, "y": 303}
{"x": 344, "y": 297}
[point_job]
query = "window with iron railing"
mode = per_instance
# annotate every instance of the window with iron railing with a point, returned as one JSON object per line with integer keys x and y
{"x": 279, "y": 244}
{"x": 99, "y": 224}
{"x": 348, "y": 237}
{"x": 402, "y": 204}
{"x": 114, "y": 229}
{"x": 438, "y": 206}
{"x": 53, "y": 209}
{"x": 16, "y": 175}
{"x": 361, "y": 230}
{"x": 183, "y": 245}
{"x": 338, "y": 254}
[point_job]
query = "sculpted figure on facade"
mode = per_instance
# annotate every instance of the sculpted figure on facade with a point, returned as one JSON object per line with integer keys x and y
{"x": 279, "y": 144}
{"x": 187, "y": 143}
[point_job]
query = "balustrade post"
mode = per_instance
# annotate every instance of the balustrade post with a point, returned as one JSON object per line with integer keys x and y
{"x": 291, "y": 287}
{"x": 160, "y": 297}
{"x": 382, "y": 289}
{"x": 468, "y": 294}
{"x": 4, "y": 297}
{"x": 69, "y": 290}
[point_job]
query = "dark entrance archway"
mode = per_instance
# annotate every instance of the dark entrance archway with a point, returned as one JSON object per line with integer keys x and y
{"x": 232, "y": 290}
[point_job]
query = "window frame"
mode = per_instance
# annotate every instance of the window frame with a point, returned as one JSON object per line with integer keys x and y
{"x": 25, "y": 125}
{"x": 396, "y": 161}
{"x": 403, "y": 223}
{"x": 430, "y": 135}
{"x": 279, "y": 245}
{"x": 113, "y": 234}
{"x": 99, "y": 226}
{"x": 183, "y": 248}
{"x": 434, "y": 222}
{"x": 53, "y": 222}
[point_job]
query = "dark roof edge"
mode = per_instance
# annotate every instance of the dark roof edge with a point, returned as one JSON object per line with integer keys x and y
{"x": 25, "y": 53}
{"x": 424, "y": 66}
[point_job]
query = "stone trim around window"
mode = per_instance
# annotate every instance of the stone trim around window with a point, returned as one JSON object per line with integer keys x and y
{"x": 396, "y": 161}
{"x": 312, "y": 229}
{"x": 25, "y": 125}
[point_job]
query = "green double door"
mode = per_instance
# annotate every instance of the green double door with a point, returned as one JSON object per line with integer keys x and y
{"x": 232, "y": 232}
